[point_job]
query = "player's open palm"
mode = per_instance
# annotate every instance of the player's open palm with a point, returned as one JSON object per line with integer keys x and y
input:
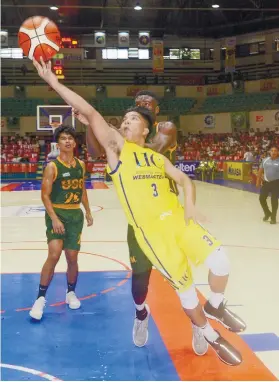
{"x": 80, "y": 117}
{"x": 191, "y": 213}
{"x": 58, "y": 226}
{"x": 44, "y": 70}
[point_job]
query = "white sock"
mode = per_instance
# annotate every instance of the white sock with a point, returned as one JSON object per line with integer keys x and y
{"x": 209, "y": 332}
{"x": 141, "y": 306}
{"x": 216, "y": 299}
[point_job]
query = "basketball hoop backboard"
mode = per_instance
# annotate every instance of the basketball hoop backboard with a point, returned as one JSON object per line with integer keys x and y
{"x": 52, "y": 116}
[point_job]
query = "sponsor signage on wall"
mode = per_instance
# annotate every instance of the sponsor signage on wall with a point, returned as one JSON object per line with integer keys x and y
{"x": 230, "y": 44}
{"x": 99, "y": 39}
{"x": 123, "y": 39}
{"x": 235, "y": 171}
{"x": 190, "y": 80}
{"x": 259, "y": 118}
{"x": 209, "y": 121}
{"x": 158, "y": 56}
{"x": 134, "y": 89}
{"x": 144, "y": 40}
{"x": 187, "y": 167}
{"x": 214, "y": 90}
{"x": 4, "y": 39}
{"x": 98, "y": 170}
{"x": 268, "y": 85}
{"x": 263, "y": 119}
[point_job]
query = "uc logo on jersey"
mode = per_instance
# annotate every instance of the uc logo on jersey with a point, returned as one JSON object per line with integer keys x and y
{"x": 149, "y": 160}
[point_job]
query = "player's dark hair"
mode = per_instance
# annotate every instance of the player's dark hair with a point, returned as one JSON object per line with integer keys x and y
{"x": 147, "y": 93}
{"x": 64, "y": 129}
{"x": 274, "y": 147}
{"x": 146, "y": 115}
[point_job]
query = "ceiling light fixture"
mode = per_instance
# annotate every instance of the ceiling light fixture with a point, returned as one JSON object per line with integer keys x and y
{"x": 138, "y": 7}
{"x": 215, "y": 6}
{"x": 53, "y": 8}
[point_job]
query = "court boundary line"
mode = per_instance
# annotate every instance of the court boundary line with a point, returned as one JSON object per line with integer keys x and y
{"x": 125, "y": 241}
{"x": 86, "y": 297}
{"x": 30, "y": 371}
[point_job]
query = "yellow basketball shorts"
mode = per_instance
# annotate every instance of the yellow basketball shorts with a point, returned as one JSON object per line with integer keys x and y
{"x": 171, "y": 245}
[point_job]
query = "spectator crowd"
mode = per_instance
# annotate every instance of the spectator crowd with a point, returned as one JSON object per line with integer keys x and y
{"x": 239, "y": 146}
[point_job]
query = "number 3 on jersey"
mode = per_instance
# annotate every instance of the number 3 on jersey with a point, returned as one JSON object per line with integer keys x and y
{"x": 155, "y": 192}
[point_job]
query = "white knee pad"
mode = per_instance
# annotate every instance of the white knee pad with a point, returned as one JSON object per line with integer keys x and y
{"x": 218, "y": 262}
{"x": 189, "y": 298}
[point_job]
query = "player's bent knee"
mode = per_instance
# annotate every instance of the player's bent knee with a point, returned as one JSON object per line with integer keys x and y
{"x": 189, "y": 298}
{"x": 218, "y": 262}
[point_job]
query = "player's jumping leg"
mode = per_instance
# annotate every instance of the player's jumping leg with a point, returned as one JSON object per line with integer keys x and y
{"x": 141, "y": 270}
{"x": 218, "y": 276}
{"x": 140, "y": 282}
{"x": 203, "y": 333}
{"x": 72, "y": 276}
{"x": 55, "y": 248}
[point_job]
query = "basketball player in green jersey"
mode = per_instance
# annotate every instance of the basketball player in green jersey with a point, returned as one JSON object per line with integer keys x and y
{"x": 162, "y": 139}
{"x": 63, "y": 190}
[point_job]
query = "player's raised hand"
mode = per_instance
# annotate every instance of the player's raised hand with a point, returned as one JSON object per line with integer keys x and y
{"x": 80, "y": 117}
{"x": 44, "y": 71}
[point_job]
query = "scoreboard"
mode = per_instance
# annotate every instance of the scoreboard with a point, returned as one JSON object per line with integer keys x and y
{"x": 58, "y": 67}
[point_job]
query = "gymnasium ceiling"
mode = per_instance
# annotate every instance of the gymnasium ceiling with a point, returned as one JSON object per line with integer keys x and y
{"x": 191, "y": 18}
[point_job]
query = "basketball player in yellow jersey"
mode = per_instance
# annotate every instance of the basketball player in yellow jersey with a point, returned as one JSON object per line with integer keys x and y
{"x": 63, "y": 190}
{"x": 162, "y": 139}
{"x": 167, "y": 233}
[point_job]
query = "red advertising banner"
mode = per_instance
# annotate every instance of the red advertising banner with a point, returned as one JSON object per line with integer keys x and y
{"x": 268, "y": 85}
{"x": 134, "y": 89}
{"x": 158, "y": 56}
{"x": 259, "y": 118}
{"x": 190, "y": 80}
{"x": 99, "y": 168}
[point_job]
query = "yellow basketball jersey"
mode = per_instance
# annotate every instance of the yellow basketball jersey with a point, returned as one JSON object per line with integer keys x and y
{"x": 142, "y": 186}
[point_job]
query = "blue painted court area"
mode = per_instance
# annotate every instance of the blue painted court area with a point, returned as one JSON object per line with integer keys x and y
{"x": 262, "y": 341}
{"x": 92, "y": 343}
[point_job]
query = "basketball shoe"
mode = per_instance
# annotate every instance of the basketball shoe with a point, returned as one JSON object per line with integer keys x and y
{"x": 225, "y": 316}
{"x": 199, "y": 343}
{"x": 225, "y": 351}
{"x": 38, "y": 308}
{"x": 72, "y": 300}
{"x": 140, "y": 330}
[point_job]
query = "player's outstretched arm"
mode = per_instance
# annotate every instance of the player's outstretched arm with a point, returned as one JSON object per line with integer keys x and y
{"x": 93, "y": 146}
{"x": 164, "y": 139}
{"x": 47, "y": 182}
{"x": 110, "y": 139}
{"x": 188, "y": 189}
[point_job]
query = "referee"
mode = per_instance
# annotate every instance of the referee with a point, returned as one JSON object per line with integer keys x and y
{"x": 269, "y": 170}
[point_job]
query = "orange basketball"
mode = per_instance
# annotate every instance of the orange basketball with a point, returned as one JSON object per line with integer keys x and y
{"x": 39, "y": 37}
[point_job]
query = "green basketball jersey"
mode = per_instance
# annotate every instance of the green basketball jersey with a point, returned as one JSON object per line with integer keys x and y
{"x": 67, "y": 187}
